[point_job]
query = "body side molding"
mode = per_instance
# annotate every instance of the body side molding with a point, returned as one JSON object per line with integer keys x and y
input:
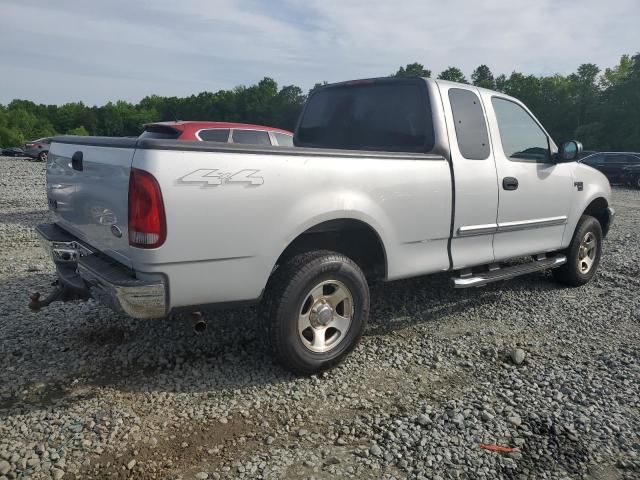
{"x": 469, "y": 230}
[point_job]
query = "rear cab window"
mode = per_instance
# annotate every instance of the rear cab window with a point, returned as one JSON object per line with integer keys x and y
{"x": 383, "y": 115}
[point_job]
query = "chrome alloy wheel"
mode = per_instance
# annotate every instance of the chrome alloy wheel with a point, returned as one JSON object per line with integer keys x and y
{"x": 325, "y": 316}
{"x": 587, "y": 252}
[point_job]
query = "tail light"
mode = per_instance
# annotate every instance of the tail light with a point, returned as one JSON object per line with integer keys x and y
{"x": 147, "y": 222}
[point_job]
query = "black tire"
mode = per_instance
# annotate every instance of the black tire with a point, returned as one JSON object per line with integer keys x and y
{"x": 42, "y": 156}
{"x": 572, "y": 273}
{"x": 287, "y": 295}
{"x": 636, "y": 182}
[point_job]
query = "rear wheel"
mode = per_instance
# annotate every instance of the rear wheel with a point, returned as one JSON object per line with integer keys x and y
{"x": 583, "y": 254}
{"x": 316, "y": 308}
{"x": 636, "y": 182}
{"x": 42, "y": 156}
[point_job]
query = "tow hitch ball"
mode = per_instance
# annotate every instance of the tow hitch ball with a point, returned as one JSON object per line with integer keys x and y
{"x": 59, "y": 293}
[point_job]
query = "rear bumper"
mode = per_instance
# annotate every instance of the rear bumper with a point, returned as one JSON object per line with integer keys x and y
{"x": 81, "y": 269}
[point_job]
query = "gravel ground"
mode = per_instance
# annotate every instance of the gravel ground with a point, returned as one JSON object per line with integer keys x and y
{"x": 553, "y": 373}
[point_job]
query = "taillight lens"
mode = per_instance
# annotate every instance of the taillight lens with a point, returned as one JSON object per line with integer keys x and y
{"x": 147, "y": 222}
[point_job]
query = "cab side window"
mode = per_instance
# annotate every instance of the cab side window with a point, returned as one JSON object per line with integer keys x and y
{"x": 522, "y": 138}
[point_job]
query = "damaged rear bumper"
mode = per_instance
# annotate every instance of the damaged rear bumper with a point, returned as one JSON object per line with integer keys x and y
{"x": 85, "y": 272}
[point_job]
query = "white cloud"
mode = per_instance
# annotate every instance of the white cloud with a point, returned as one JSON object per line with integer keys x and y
{"x": 96, "y": 51}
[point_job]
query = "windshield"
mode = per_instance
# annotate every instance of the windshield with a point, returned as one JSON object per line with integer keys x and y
{"x": 383, "y": 115}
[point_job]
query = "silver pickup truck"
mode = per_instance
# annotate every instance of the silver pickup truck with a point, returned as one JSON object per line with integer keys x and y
{"x": 389, "y": 179}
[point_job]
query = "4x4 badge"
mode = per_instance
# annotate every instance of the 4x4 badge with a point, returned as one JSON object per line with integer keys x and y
{"x": 206, "y": 177}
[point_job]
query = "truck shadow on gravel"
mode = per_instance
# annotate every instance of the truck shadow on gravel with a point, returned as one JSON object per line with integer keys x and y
{"x": 28, "y": 219}
{"x": 68, "y": 352}
{"x": 429, "y": 300}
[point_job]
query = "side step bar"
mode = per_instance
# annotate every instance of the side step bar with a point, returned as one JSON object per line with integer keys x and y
{"x": 469, "y": 279}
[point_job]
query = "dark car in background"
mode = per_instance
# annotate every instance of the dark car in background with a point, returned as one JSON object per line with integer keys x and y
{"x": 38, "y": 149}
{"x": 618, "y": 167}
{"x": 585, "y": 153}
{"x": 12, "y": 152}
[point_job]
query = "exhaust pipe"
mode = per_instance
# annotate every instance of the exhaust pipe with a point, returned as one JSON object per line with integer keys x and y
{"x": 198, "y": 321}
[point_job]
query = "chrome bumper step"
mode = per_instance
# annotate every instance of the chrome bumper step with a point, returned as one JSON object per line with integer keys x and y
{"x": 495, "y": 274}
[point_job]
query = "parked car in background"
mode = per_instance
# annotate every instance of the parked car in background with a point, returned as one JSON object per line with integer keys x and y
{"x": 631, "y": 175}
{"x": 586, "y": 153}
{"x": 38, "y": 149}
{"x": 225, "y": 132}
{"x": 619, "y": 167}
{"x": 13, "y": 152}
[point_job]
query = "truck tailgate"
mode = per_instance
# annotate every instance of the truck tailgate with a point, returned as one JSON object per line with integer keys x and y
{"x": 87, "y": 190}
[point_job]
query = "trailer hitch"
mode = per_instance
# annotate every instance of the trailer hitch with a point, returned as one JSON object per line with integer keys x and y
{"x": 61, "y": 293}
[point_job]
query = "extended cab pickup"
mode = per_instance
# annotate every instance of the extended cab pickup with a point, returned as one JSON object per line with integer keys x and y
{"x": 389, "y": 179}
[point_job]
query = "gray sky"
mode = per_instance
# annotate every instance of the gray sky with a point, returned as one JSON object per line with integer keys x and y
{"x": 55, "y": 51}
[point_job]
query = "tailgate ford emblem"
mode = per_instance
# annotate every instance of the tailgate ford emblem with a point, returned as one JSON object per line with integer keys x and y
{"x": 116, "y": 231}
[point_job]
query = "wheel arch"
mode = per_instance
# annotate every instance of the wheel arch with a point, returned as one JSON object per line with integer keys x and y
{"x": 599, "y": 209}
{"x": 352, "y": 237}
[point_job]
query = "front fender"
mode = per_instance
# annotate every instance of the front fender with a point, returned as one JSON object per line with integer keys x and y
{"x": 594, "y": 186}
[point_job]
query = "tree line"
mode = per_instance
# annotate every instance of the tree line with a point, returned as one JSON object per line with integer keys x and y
{"x": 599, "y": 107}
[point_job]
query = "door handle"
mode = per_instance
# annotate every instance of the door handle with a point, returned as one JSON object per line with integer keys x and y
{"x": 510, "y": 183}
{"x": 76, "y": 161}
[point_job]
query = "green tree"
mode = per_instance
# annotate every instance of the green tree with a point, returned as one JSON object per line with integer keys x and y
{"x": 453, "y": 74}
{"x": 600, "y": 109}
{"x": 482, "y": 77}
{"x": 78, "y": 131}
{"x": 286, "y": 107}
{"x": 618, "y": 74}
{"x": 501, "y": 82}
{"x": 317, "y": 86}
{"x": 586, "y": 92}
{"x": 413, "y": 70}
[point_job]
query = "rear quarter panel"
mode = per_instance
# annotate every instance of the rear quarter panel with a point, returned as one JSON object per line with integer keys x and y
{"x": 223, "y": 240}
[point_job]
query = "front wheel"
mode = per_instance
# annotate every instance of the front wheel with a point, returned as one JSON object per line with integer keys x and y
{"x": 316, "y": 308}
{"x": 42, "y": 156}
{"x": 583, "y": 254}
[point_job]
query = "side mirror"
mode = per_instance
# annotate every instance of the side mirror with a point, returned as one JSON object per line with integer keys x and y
{"x": 569, "y": 151}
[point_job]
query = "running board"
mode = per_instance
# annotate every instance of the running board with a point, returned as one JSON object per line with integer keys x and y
{"x": 467, "y": 280}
